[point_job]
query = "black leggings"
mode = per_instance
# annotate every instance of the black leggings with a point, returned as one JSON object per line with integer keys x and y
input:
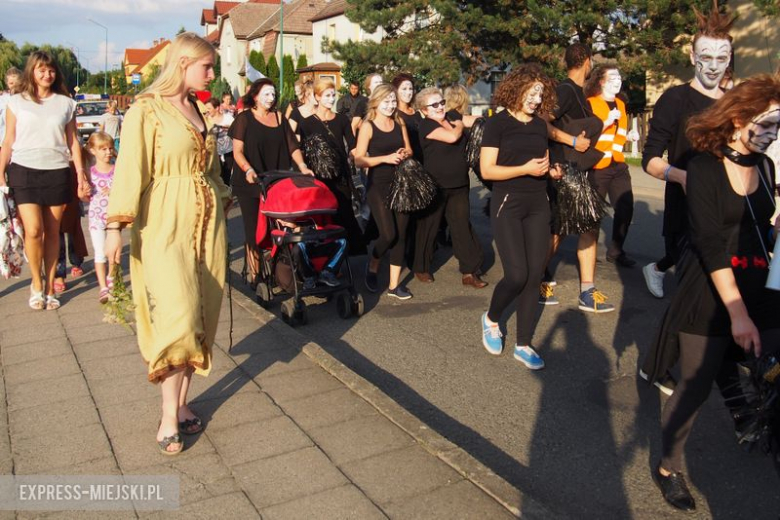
{"x": 673, "y": 244}
{"x": 391, "y": 224}
{"x": 521, "y": 230}
{"x": 701, "y": 359}
{"x": 615, "y": 181}
{"x": 453, "y": 204}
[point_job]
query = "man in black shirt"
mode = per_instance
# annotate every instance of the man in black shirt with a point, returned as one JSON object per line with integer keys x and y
{"x": 345, "y": 104}
{"x": 572, "y": 125}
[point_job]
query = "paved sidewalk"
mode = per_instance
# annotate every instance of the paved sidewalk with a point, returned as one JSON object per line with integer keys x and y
{"x": 288, "y": 434}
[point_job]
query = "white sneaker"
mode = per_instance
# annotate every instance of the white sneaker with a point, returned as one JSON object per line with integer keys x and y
{"x": 654, "y": 280}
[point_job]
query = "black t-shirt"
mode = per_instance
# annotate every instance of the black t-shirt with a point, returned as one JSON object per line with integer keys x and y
{"x": 446, "y": 162}
{"x": 667, "y": 133}
{"x": 413, "y": 131}
{"x": 359, "y": 108}
{"x": 345, "y": 104}
{"x": 265, "y": 147}
{"x": 517, "y": 143}
{"x": 336, "y": 132}
{"x": 571, "y": 102}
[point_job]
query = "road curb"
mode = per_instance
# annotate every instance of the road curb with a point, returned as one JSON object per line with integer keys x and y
{"x": 458, "y": 459}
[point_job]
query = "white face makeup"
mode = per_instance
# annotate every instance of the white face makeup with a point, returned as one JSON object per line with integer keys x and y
{"x": 711, "y": 58}
{"x": 388, "y": 105}
{"x": 328, "y": 98}
{"x": 762, "y": 130}
{"x": 434, "y": 107}
{"x": 533, "y": 98}
{"x": 612, "y": 84}
{"x": 406, "y": 92}
{"x": 375, "y": 82}
{"x": 266, "y": 97}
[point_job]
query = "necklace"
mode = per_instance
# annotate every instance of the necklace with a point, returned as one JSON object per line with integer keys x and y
{"x": 739, "y": 158}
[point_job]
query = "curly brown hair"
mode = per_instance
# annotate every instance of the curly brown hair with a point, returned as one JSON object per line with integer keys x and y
{"x": 593, "y": 86}
{"x": 511, "y": 92}
{"x": 712, "y": 129}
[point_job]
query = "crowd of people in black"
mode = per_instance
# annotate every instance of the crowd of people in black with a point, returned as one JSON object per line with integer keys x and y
{"x": 706, "y": 142}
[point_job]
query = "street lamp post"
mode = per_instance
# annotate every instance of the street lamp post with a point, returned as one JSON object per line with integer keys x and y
{"x": 281, "y": 48}
{"x": 105, "y": 73}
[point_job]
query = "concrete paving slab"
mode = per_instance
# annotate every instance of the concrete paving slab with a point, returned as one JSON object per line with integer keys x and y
{"x": 115, "y": 367}
{"x": 258, "y": 440}
{"x": 41, "y": 369}
{"x": 221, "y": 385}
{"x": 360, "y": 438}
{"x": 234, "y": 505}
{"x": 200, "y": 477}
{"x": 459, "y": 501}
{"x": 328, "y": 408}
{"x": 48, "y": 391}
{"x": 49, "y": 451}
{"x": 275, "y": 480}
{"x": 32, "y": 320}
{"x": 140, "y": 415}
{"x": 287, "y": 387}
{"x": 342, "y": 503}
{"x": 233, "y": 410}
{"x": 90, "y": 333}
{"x": 264, "y": 363}
{"x": 34, "y": 351}
{"x": 25, "y": 335}
{"x": 396, "y": 475}
{"x": 107, "y": 348}
{"x": 54, "y": 419}
{"x": 80, "y": 515}
{"x": 108, "y": 392}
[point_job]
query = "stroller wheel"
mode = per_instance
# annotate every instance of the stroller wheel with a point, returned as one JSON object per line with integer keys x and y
{"x": 264, "y": 296}
{"x": 358, "y": 307}
{"x": 288, "y": 312}
{"x": 344, "y": 305}
{"x": 301, "y": 316}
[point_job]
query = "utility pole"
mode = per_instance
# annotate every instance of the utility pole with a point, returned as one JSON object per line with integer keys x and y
{"x": 281, "y": 48}
{"x": 105, "y": 72}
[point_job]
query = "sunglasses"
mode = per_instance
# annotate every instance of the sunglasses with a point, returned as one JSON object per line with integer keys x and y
{"x": 437, "y": 104}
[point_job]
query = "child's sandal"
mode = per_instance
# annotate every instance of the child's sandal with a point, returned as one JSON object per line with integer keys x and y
{"x": 104, "y": 295}
{"x": 52, "y": 303}
{"x": 36, "y": 301}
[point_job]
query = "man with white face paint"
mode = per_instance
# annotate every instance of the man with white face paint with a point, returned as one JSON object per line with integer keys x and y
{"x": 710, "y": 55}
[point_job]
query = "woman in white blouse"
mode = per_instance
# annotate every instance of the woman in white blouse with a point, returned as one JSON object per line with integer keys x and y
{"x": 39, "y": 142}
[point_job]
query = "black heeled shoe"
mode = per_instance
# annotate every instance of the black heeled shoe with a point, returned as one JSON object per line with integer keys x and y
{"x": 674, "y": 490}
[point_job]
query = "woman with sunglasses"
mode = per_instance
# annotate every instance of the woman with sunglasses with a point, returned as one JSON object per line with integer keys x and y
{"x": 444, "y": 146}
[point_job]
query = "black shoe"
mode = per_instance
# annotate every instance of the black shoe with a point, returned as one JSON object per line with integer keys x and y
{"x": 328, "y": 278}
{"x": 674, "y": 490}
{"x": 622, "y": 260}
{"x": 371, "y": 280}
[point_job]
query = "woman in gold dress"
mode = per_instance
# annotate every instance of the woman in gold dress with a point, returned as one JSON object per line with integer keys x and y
{"x": 167, "y": 185}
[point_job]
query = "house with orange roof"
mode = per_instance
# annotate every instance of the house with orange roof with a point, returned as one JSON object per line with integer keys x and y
{"x": 143, "y": 61}
{"x": 332, "y": 23}
{"x": 298, "y": 36}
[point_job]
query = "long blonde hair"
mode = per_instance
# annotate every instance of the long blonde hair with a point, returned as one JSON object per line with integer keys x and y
{"x": 187, "y": 45}
{"x": 457, "y": 98}
{"x": 377, "y": 96}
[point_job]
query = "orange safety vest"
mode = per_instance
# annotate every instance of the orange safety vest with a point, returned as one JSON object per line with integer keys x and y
{"x": 613, "y": 138}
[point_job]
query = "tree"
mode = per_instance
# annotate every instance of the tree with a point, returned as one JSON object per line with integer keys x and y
{"x": 9, "y": 57}
{"x": 181, "y": 30}
{"x": 443, "y": 38}
{"x": 289, "y": 71}
{"x": 272, "y": 70}
{"x": 257, "y": 60}
{"x": 302, "y": 62}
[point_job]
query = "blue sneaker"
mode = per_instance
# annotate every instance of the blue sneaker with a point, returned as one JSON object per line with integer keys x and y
{"x": 529, "y": 357}
{"x": 546, "y": 296}
{"x": 491, "y": 337}
{"x": 593, "y": 301}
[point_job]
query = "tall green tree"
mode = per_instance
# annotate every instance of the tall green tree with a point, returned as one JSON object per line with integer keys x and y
{"x": 257, "y": 60}
{"x": 302, "y": 62}
{"x": 289, "y": 71}
{"x": 272, "y": 70}
{"x": 9, "y": 57}
{"x": 443, "y": 38}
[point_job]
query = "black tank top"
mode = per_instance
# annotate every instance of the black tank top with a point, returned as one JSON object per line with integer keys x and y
{"x": 384, "y": 143}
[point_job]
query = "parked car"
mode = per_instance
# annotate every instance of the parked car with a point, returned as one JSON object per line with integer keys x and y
{"x": 88, "y": 114}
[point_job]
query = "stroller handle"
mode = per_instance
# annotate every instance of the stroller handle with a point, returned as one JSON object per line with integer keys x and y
{"x": 271, "y": 176}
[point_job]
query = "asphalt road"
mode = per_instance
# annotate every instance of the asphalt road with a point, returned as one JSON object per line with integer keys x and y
{"x": 579, "y": 436}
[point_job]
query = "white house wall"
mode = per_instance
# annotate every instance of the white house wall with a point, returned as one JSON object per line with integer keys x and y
{"x": 232, "y": 54}
{"x": 338, "y": 28}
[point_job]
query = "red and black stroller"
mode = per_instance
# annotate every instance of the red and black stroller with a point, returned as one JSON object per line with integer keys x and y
{"x": 302, "y": 252}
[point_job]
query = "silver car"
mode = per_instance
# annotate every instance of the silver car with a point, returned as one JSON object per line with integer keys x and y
{"x": 88, "y": 114}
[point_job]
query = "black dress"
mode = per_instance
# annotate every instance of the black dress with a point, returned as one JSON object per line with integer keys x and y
{"x": 266, "y": 148}
{"x": 722, "y": 235}
{"x": 338, "y": 134}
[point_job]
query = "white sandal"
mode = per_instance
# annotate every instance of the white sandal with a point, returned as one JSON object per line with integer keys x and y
{"x": 36, "y": 301}
{"x": 52, "y": 303}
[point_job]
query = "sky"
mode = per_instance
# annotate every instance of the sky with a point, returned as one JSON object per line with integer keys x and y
{"x": 130, "y": 23}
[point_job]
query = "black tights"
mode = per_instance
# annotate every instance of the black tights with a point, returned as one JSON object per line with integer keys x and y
{"x": 521, "y": 230}
{"x": 615, "y": 181}
{"x": 701, "y": 359}
{"x": 391, "y": 224}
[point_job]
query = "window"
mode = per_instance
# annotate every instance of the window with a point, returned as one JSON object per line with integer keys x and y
{"x": 229, "y": 55}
